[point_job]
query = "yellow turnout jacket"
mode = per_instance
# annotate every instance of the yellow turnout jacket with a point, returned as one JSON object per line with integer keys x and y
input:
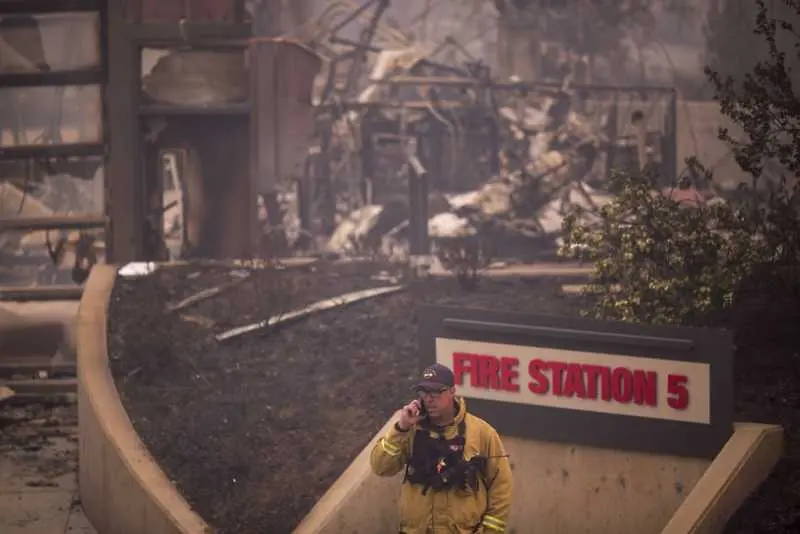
{"x": 454, "y": 511}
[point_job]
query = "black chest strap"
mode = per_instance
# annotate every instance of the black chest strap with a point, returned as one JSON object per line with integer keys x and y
{"x": 438, "y": 463}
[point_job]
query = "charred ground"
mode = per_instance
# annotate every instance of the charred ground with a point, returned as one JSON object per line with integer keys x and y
{"x": 253, "y": 431}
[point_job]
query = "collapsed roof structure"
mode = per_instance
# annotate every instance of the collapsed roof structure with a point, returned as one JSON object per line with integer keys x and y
{"x": 403, "y": 140}
{"x": 417, "y": 148}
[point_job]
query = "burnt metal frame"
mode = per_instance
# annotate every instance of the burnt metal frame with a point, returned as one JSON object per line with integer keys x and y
{"x": 428, "y": 145}
{"x": 84, "y": 76}
{"x": 126, "y": 39}
{"x": 366, "y": 37}
{"x": 475, "y": 76}
{"x": 120, "y": 78}
{"x": 89, "y": 76}
{"x": 418, "y": 182}
{"x": 428, "y": 136}
{"x": 358, "y": 51}
{"x": 40, "y": 7}
{"x": 714, "y": 347}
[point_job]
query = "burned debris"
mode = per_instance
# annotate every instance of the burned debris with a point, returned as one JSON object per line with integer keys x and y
{"x": 51, "y": 165}
{"x": 427, "y": 156}
{"x": 373, "y": 144}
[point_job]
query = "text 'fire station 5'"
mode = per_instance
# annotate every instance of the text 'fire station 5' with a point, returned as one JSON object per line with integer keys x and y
{"x": 618, "y": 384}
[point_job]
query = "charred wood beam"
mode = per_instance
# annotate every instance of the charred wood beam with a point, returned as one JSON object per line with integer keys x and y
{"x": 157, "y": 34}
{"x": 125, "y": 200}
{"x": 330, "y": 81}
{"x": 35, "y": 7}
{"x": 419, "y": 241}
{"x": 353, "y": 16}
{"x": 55, "y": 222}
{"x": 88, "y": 76}
{"x": 324, "y": 185}
{"x": 494, "y": 146}
{"x": 321, "y": 305}
{"x": 36, "y": 390}
{"x": 305, "y": 194}
{"x": 366, "y": 37}
{"x": 431, "y": 148}
{"x": 51, "y": 151}
{"x": 43, "y": 293}
{"x": 367, "y": 161}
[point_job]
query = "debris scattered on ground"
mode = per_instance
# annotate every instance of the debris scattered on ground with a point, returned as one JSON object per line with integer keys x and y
{"x": 237, "y": 425}
{"x": 322, "y": 305}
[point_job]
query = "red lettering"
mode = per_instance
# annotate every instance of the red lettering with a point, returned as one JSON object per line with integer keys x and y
{"x": 488, "y": 368}
{"x": 462, "y": 364}
{"x": 509, "y": 374}
{"x": 539, "y": 383}
{"x": 677, "y": 392}
{"x": 586, "y": 381}
{"x": 592, "y": 373}
{"x": 622, "y": 385}
{"x": 558, "y": 369}
{"x": 573, "y": 384}
{"x": 645, "y": 385}
{"x": 605, "y": 383}
{"x": 475, "y": 371}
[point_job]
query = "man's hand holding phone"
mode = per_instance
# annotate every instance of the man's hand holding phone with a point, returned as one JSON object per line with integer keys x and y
{"x": 411, "y": 414}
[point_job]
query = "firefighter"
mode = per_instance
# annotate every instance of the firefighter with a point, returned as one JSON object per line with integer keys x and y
{"x": 457, "y": 474}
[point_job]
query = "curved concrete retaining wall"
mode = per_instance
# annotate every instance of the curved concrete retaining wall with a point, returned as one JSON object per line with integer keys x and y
{"x": 123, "y": 490}
{"x": 561, "y": 489}
{"x": 358, "y": 501}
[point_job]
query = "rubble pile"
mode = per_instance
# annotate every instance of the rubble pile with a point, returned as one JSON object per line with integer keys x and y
{"x": 24, "y": 256}
{"x": 553, "y": 157}
{"x": 501, "y": 160}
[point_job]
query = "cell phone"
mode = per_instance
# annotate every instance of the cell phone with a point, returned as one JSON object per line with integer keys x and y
{"x": 423, "y": 411}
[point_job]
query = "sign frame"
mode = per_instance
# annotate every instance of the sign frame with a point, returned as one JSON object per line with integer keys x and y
{"x": 625, "y": 432}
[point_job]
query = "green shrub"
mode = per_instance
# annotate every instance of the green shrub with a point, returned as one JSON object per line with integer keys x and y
{"x": 659, "y": 261}
{"x": 656, "y": 260}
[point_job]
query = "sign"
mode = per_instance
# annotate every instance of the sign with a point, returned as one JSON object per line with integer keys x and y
{"x": 632, "y": 387}
{"x": 594, "y": 382}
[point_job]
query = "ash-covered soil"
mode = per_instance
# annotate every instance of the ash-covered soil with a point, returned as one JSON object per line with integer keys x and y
{"x": 254, "y": 430}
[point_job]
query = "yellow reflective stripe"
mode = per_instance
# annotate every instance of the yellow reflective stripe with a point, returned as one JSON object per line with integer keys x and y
{"x": 389, "y": 448}
{"x": 494, "y": 523}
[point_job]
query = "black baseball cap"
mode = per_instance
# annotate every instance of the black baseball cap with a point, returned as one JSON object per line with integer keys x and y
{"x": 435, "y": 378}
